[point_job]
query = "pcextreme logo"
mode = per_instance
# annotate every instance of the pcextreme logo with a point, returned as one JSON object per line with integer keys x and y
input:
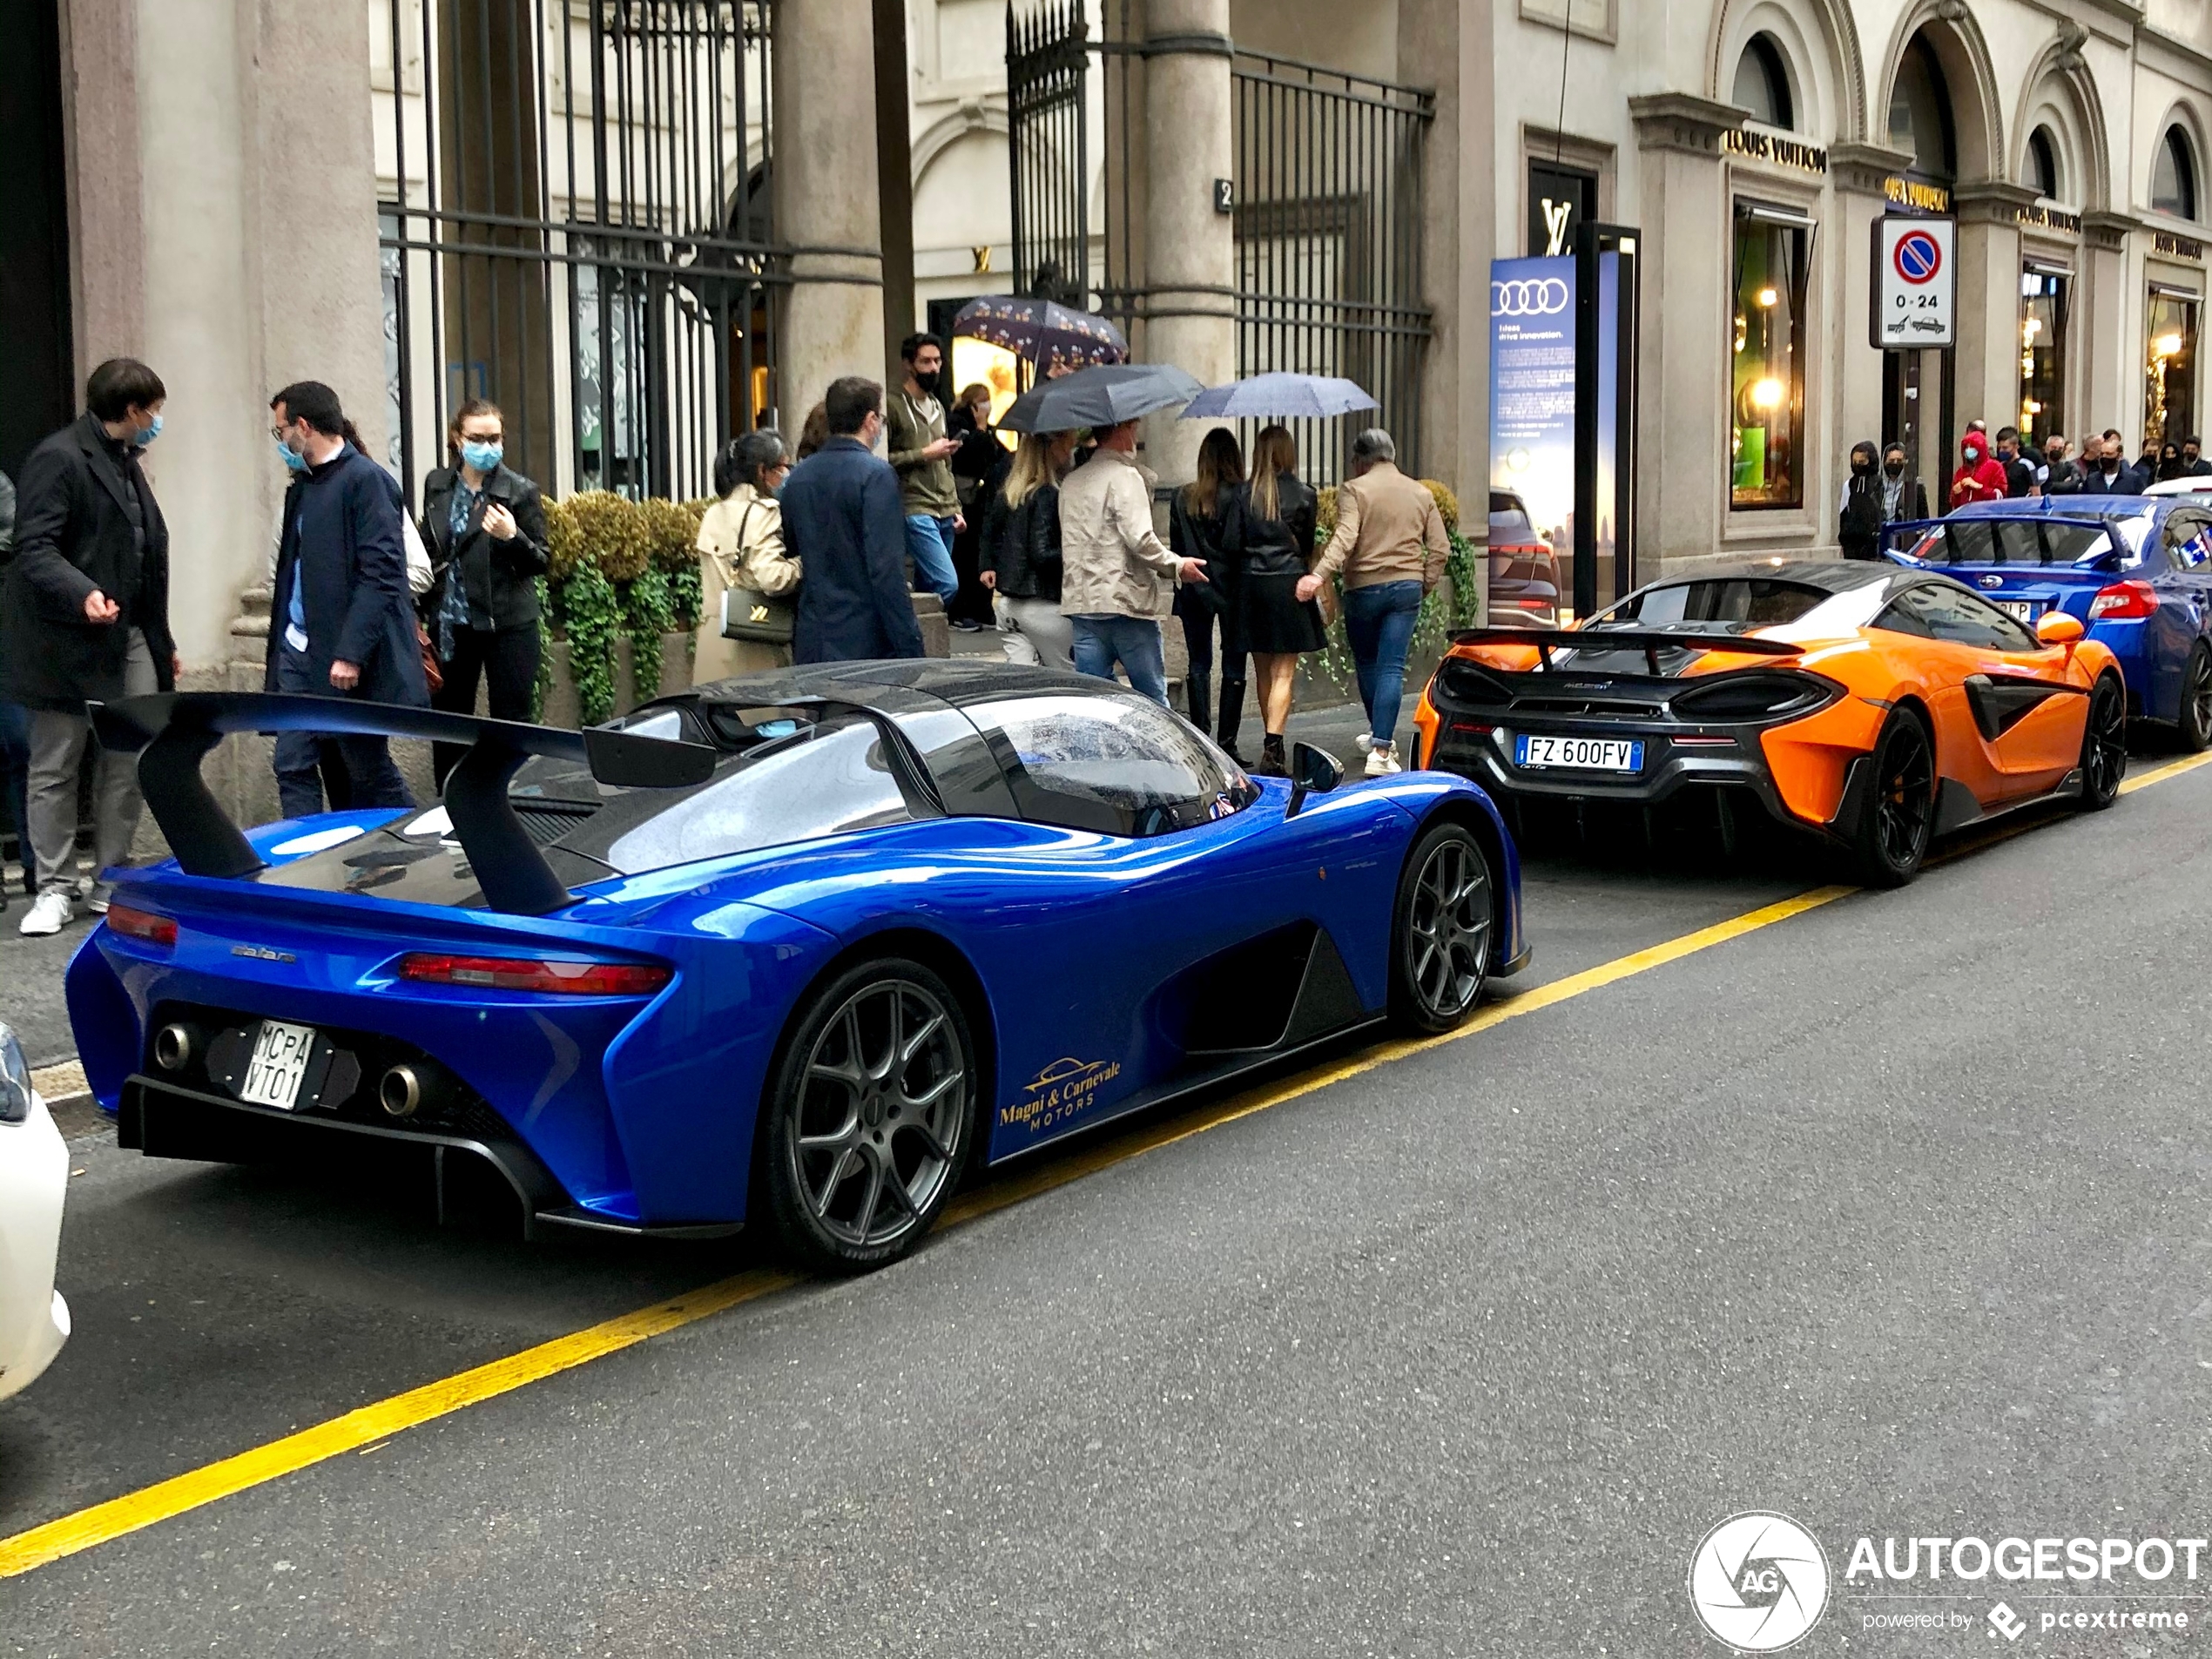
{"x": 1759, "y": 1582}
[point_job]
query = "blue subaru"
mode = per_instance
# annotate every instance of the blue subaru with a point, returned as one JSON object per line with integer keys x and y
{"x": 2137, "y": 569}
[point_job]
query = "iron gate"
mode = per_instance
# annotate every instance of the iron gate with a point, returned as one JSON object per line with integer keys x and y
{"x": 1326, "y": 175}
{"x": 577, "y": 225}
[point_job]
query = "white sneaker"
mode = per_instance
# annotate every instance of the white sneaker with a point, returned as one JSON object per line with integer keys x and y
{"x": 1364, "y": 742}
{"x": 50, "y": 914}
{"x": 1382, "y": 760}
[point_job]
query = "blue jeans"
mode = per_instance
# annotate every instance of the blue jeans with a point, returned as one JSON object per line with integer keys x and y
{"x": 929, "y": 545}
{"x": 1134, "y": 642}
{"x": 359, "y": 770}
{"x": 1378, "y": 623}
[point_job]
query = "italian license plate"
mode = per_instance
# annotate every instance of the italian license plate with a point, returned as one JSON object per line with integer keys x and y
{"x": 1582, "y": 754}
{"x": 279, "y": 1063}
{"x": 2018, "y": 609}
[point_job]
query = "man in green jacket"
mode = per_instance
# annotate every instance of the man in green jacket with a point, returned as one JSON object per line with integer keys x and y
{"x": 922, "y": 456}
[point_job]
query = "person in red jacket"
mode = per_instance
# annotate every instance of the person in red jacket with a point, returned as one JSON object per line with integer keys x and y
{"x": 1978, "y": 477}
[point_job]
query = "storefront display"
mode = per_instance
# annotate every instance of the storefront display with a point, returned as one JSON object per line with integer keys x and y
{"x": 1767, "y": 379}
{"x": 2047, "y": 292}
{"x": 2169, "y": 377}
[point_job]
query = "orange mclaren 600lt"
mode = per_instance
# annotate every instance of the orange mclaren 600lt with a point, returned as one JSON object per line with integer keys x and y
{"x": 1875, "y": 706}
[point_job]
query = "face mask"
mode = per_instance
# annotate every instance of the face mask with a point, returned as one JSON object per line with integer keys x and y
{"x": 152, "y": 431}
{"x": 1895, "y": 469}
{"x": 2054, "y": 456}
{"x": 292, "y": 459}
{"x": 1861, "y": 465}
{"x": 483, "y": 456}
{"x": 1973, "y": 455}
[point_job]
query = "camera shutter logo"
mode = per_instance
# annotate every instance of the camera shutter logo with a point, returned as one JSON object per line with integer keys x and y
{"x": 1758, "y": 1583}
{"x": 1535, "y": 297}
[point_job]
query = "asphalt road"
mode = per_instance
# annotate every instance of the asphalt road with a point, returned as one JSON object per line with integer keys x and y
{"x": 1890, "y": 1216}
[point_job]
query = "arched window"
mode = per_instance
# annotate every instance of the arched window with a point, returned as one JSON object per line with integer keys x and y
{"x": 2172, "y": 175}
{"x": 2043, "y": 163}
{"x": 1920, "y": 111}
{"x": 1762, "y": 84}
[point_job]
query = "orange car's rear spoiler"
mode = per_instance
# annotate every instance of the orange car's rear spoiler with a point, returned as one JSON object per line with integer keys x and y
{"x": 1649, "y": 641}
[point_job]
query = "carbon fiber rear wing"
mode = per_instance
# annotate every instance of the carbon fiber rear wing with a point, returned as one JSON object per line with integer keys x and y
{"x": 173, "y": 733}
{"x": 1649, "y": 641}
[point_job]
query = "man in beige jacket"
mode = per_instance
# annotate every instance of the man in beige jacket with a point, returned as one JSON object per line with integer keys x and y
{"x": 1117, "y": 579}
{"x": 1389, "y": 543}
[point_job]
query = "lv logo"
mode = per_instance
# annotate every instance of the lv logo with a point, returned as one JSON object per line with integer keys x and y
{"x": 760, "y": 613}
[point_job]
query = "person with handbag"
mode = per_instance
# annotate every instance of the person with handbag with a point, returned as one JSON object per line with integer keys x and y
{"x": 1195, "y": 519}
{"x": 1021, "y": 558}
{"x": 748, "y": 582}
{"x": 485, "y": 524}
{"x": 1269, "y": 539}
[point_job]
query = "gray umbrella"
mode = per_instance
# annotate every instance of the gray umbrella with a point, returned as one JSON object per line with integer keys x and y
{"x": 1103, "y": 396}
{"x": 1284, "y": 397}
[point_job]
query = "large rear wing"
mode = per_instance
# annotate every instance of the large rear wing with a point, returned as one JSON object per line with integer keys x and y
{"x": 1649, "y": 641}
{"x": 173, "y": 733}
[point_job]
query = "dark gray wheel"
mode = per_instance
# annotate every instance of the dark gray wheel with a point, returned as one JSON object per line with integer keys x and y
{"x": 2195, "y": 723}
{"x": 870, "y": 1118}
{"x": 2104, "y": 745}
{"x": 1440, "y": 931}
{"x": 1898, "y": 819}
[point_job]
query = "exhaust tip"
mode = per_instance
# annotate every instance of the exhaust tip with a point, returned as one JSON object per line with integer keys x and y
{"x": 400, "y": 1091}
{"x": 174, "y": 1045}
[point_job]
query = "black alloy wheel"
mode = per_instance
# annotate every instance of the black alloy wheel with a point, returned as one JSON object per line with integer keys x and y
{"x": 2195, "y": 723}
{"x": 1439, "y": 945}
{"x": 2104, "y": 745}
{"x": 869, "y": 1123}
{"x": 1898, "y": 820}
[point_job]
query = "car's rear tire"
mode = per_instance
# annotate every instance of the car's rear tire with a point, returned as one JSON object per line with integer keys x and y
{"x": 1891, "y": 841}
{"x": 2104, "y": 745}
{"x": 870, "y": 1115}
{"x": 1441, "y": 927}
{"x": 2194, "y": 721}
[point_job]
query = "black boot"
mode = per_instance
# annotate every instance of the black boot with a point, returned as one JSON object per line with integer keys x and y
{"x": 1232, "y": 715}
{"x": 1197, "y": 690}
{"x": 1271, "y": 764}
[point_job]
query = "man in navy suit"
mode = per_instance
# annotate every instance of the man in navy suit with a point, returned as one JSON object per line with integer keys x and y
{"x": 846, "y": 525}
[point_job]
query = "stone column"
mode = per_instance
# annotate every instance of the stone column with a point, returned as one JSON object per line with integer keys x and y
{"x": 1989, "y": 301}
{"x": 1683, "y": 428}
{"x": 1858, "y": 172}
{"x": 826, "y": 201}
{"x": 1190, "y": 263}
{"x": 100, "y": 130}
{"x": 2108, "y": 336}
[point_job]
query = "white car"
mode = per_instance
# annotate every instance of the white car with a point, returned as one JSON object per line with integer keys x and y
{"x": 34, "y": 1176}
{"x": 2200, "y": 484}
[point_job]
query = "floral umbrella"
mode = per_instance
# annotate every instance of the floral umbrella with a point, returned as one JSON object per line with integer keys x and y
{"x": 1049, "y": 334}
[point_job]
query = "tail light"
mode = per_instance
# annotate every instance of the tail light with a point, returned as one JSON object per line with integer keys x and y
{"x": 514, "y": 973}
{"x": 141, "y": 924}
{"x": 2124, "y": 601}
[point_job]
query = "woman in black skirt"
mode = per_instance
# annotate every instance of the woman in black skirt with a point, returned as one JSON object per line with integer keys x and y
{"x": 1195, "y": 521}
{"x": 1270, "y": 540}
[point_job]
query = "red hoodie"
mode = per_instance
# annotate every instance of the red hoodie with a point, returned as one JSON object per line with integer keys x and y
{"x": 1979, "y": 477}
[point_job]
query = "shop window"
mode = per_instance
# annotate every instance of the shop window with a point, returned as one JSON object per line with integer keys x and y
{"x": 2169, "y": 382}
{"x": 2045, "y": 293}
{"x": 2172, "y": 175}
{"x": 1762, "y": 84}
{"x": 1767, "y": 373}
{"x": 2043, "y": 164}
{"x": 1920, "y": 111}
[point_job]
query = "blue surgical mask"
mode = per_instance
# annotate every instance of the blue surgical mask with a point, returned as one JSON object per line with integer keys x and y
{"x": 292, "y": 457}
{"x": 147, "y": 436}
{"x": 483, "y": 456}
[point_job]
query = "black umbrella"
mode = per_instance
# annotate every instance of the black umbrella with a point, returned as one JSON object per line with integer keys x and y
{"x": 1045, "y": 332}
{"x": 1100, "y": 397}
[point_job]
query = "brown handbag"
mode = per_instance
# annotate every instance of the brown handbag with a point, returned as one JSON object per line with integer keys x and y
{"x": 432, "y": 674}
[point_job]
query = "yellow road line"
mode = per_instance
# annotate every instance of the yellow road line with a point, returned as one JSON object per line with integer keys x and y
{"x": 359, "y": 1429}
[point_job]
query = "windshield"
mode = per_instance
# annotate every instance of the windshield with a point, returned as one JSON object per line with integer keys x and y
{"x": 1751, "y": 602}
{"x": 2059, "y": 539}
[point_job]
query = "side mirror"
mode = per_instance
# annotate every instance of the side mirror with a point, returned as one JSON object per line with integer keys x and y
{"x": 1314, "y": 772}
{"x": 2056, "y": 628}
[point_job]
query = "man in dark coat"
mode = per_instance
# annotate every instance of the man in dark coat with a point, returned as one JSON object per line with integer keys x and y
{"x": 340, "y": 620}
{"x": 845, "y": 523}
{"x": 86, "y": 612}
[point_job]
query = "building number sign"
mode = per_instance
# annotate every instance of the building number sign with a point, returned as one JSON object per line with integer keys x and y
{"x": 1914, "y": 282}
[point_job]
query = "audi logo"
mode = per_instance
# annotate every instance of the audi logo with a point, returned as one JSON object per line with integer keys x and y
{"x": 1537, "y": 297}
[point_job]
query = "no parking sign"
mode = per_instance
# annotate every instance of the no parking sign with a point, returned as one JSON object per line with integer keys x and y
{"x": 1914, "y": 280}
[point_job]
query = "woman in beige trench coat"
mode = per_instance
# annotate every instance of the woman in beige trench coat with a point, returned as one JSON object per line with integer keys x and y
{"x": 741, "y": 545}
